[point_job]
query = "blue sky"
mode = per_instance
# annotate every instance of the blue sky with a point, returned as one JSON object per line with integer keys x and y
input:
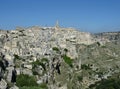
{"x": 86, "y": 15}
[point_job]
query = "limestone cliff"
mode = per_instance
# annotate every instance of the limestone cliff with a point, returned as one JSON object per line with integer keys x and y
{"x": 62, "y": 58}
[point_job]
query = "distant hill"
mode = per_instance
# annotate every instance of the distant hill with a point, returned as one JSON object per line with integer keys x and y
{"x": 60, "y": 58}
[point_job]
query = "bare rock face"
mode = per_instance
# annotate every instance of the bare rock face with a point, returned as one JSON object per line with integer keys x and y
{"x": 63, "y": 87}
{"x": 3, "y": 84}
{"x": 9, "y": 73}
{"x": 109, "y": 35}
{"x": 61, "y": 58}
{"x": 34, "y": 39}
{"x": 14, "y": 87}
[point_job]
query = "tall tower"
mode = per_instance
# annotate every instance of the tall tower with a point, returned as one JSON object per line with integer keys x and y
{"x": 57, "y": 24}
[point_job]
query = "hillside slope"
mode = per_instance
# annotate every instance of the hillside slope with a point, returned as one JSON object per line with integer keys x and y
{"x": 60, "y": 58}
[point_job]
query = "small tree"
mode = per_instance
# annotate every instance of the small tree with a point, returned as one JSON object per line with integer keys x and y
{"x": 98, "y": 43}
{"x": 55, "y": 49}
{"x": 68, "y": 60}
{"x": 26, "y": 80}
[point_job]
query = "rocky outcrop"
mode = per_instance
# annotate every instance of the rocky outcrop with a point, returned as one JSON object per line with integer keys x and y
{"x": 14, "y": 87}
{"x": 58, "y": 57}
{"x": 3, "y": 84}
{"x": 39, "y": 41}
{"x": 111, "y": 36}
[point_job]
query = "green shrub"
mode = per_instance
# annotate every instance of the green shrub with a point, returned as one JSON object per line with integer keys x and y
{"x": 43, "y": 86}
{"x": 32, "y": 87}
{"x": 80, "y": 78}
{"x": 55, "y": 49}
{"x": 16, "y": 56}
{"x": 68, "y": 60}
{"x": 109, "y": 84}
{"x": 26, "y": 80}
{"x": 35, "y": 72}
{"x": 85, "y": 67}
{"x": 112, "y": 83}
{"x": 100, "y": 74}
{"x": 66, "y": 50}
{"x": 43, "y": 66}
{"x": 44, "y": 60}
{"x": 98, "y": 43}
{"x": 37, "y": 63}
{"x": 103, "y": 46}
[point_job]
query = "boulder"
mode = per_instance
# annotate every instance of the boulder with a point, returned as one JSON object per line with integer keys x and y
{"x": 3, "y": 84}
{"x": 14, "y": 87}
